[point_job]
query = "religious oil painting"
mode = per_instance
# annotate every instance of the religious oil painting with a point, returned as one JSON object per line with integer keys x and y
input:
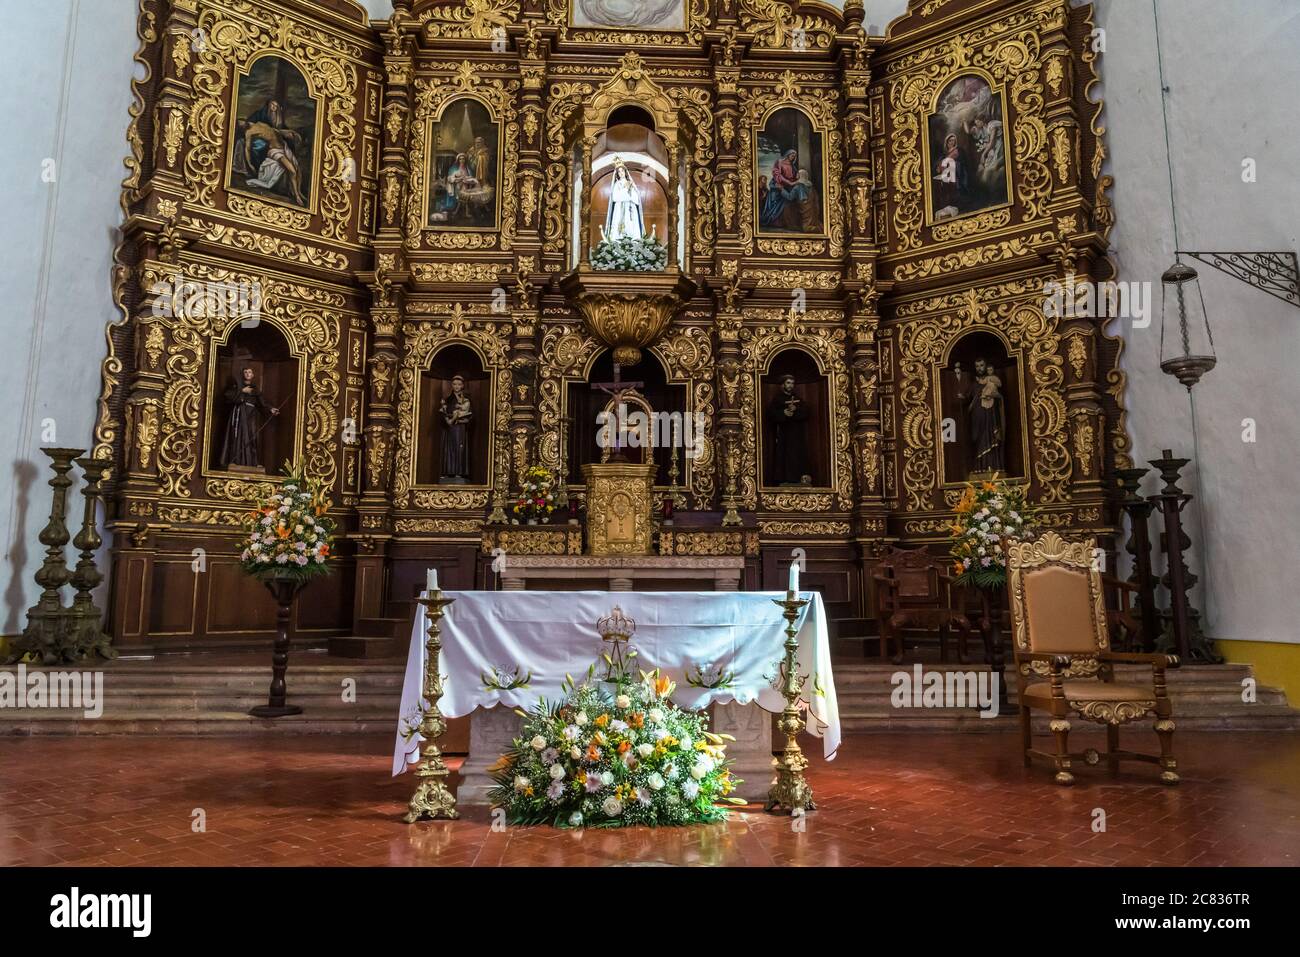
{"x": 275, "y": 136}
{"x": 629, "y": 14}
{"x": 966, "y": 145}
{"x": 789, "y": 175}
{"x": 464, "y": 165}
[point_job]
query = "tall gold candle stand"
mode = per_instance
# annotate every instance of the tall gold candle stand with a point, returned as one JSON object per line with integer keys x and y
{"x": 789, "y": 789}
{"x": 432, "y": 799}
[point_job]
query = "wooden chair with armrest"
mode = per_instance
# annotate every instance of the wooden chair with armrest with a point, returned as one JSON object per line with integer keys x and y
{"x": 1064, "y": 664}
{"x": 913, "y": 592}
{"x": 1126, "y": 632}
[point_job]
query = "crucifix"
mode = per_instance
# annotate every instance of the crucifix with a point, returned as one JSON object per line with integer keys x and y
{"x": 615, "y": 389}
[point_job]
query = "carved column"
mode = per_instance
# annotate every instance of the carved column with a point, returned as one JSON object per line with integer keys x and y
{"x": 729, "y": 390}
{"x": 584, "y": 217}
{"x": 728, "y": 50}
{"x": 863, "y": 310}
{"x": 182, "y": 44}
{"x": 864, "y": 370}
{"x": 674, "y": 189}
{"x": 386, "y": 282}
{"x": 1058, "y": 111}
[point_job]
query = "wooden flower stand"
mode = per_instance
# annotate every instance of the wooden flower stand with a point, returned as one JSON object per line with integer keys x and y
{"x": 285, "y": 592}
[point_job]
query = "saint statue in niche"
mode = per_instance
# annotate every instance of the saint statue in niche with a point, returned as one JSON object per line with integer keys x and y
{"x": 239, "y": 450}
{"x": 624, "y": 219}
{"x": 789, "y": 416}
{"x": 986, "y": 413}
{"x": 456, "y": 416}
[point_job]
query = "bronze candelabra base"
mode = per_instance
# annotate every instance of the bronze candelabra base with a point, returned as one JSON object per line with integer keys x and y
{"x": 789, "y": 789}
{"x": 432, "y": 798}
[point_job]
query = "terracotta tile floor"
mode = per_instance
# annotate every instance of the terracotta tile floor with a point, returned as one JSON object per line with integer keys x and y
{"x": 889, "y": 799}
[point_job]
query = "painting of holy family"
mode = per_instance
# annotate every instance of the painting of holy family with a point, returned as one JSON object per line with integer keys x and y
{"x": 967, "y": 150}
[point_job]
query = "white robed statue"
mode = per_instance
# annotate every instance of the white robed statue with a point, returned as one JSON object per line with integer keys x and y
{"x": 624, "y": 220}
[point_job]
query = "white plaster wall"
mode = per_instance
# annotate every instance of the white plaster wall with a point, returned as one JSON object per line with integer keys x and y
{"x": 66, "y": 89}
{"x": 1234, "y": 70}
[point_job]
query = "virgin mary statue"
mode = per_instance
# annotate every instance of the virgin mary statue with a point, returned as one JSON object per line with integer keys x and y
{"x": 624, "y": 220}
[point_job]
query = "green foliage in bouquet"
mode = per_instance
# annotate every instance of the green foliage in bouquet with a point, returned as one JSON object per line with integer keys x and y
{"x": 290, "y": 533}
{"x": 601, "y": 758}
{"x": 989, "y": 518}
{"x": 647, "y": 254}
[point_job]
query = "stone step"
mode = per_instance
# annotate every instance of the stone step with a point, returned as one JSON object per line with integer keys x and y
{"x": 364, "y": 646}
{"x": 917, "y": 720}
{"x": 383, "y": 627}
{"x": 58, "y": 722}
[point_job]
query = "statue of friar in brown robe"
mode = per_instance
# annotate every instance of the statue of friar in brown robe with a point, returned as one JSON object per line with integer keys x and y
{"x": 242, "y": 430}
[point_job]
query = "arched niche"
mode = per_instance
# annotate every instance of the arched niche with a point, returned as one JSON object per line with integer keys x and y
{"x": 630, "y": 98}
{"x": 263, "y": 348}
{"x": 956, "y": 394}
{"x": 631, "y": 137}
{"x": 585, "y": 404}
{"x": 431, "y": 428}
{"x": 796, "y": 450}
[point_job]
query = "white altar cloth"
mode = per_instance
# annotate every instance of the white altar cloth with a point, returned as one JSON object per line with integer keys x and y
{"x": 552, "y": 633}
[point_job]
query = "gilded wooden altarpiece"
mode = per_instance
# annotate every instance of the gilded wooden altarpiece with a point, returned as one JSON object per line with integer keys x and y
{"x": 367, "y": 291}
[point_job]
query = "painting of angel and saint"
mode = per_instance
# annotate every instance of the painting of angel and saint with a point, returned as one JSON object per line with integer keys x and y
{"x": 967, "y": 150}
{"x": 630, "y": 14}
{"x": 464, "y": 157}
{"x": 788, "y": 174}
{"x": 275, "y": 132}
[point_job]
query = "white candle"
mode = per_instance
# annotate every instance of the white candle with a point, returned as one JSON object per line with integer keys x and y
{"x": 431, "y": 581}
{"x": 794, "y": 577}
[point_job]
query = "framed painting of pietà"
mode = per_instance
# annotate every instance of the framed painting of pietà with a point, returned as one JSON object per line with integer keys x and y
{"x": 967, "y": 150}
{"x": 629, "y": 14}
{"x": 464, "y": 157}
{"x": 275, "y": 132}
{"x": 789, "y": 175}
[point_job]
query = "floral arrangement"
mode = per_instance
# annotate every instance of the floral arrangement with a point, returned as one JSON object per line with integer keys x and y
{"x": 989, "y": 519}
{"x": 536, "y": 497}
{"x": 602, "y": 759}
{"x": 289, "y": 534}
{"x": 646, "y": 254}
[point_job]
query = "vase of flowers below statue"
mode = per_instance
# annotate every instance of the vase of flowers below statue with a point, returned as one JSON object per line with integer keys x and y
{"x": 536, "y": 498}
{"x": 287, "y": 542}
{"x": 990, "y": 517}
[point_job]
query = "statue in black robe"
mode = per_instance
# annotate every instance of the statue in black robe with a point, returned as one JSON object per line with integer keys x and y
{"x": 247, "y": 407}
{"x": 457, "y": 414}
{"x": 986, "y": 415}
{"x": 789, "y": 416}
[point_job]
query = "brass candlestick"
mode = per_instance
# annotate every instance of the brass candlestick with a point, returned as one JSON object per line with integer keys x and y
{"x": 789, "y": 789}
{"x": 86, "y": 620}
{"x": 432, "y": 799}
{"x": 47, "y": 621}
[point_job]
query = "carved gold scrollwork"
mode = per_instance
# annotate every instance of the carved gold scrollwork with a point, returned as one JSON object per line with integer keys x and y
{"x": 759, "y": 342}
{"x": 328, "y": 60}
{"x": 822, "y": 104}
{"x": 922, "y": 342}
{"x": 1008, "y": 50}
{"x": 491, "y": 340}
{"x": 431, "y": 95}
